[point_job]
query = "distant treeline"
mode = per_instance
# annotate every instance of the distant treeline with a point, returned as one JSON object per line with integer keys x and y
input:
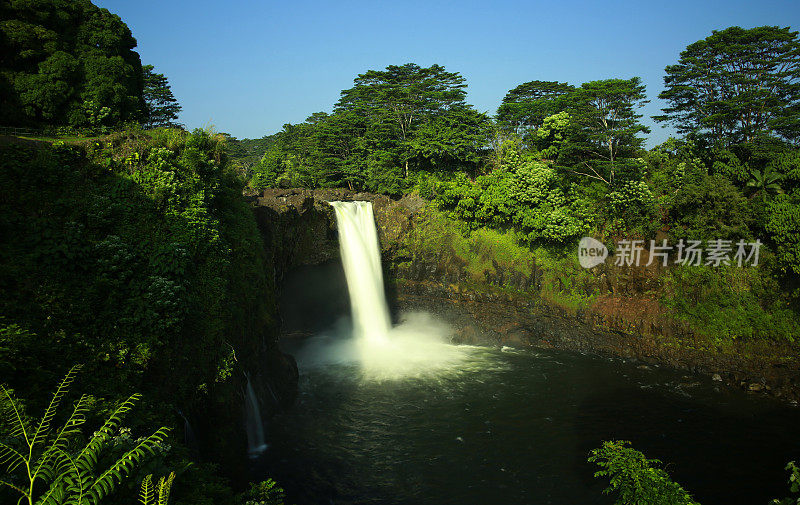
{"x": 559, "y": 161}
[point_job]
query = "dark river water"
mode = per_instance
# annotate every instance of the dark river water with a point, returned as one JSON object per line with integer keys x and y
{"x": 516, "y": 427}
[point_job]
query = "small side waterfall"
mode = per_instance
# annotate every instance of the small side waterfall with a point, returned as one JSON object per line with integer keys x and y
{"x": 188, "y": 433}
{"x": 253, "y": 423}
{"x": 358, "y": 242}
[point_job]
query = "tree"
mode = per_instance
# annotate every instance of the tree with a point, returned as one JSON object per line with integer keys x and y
{"x": 735, "y": 85}
{"x": 399, "y": 99}
{"x": 709, "y": 206}
{"x": 526, "y": 106}
{"x": 458, "y": 137}
{"x": 391, "y": 122}
{"x": 605, "y": 126}
{"x": 161, "y": 107}
{"x": 340, "y": 143}
{"x": 61, "y": 58}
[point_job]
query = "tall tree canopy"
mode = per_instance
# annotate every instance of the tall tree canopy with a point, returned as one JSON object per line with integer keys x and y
{"x": 735, "y": 85}
{"x": 389, "y": 125}
{"x": 161, "y": 107}
{"x": 409, "y": 94}
{"x": 401, "y": 98}
{"x": 67, "y": 62}
{"x": 586, "y": 128}
{"x": 606, "y": 124}
{"x": 526, "y": 106}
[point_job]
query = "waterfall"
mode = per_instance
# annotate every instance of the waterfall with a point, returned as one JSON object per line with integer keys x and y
{"x": 417, "y": 346}
{"x": 358, "y": 242}
{"x": 253, "y": 425}
{"x": 188, "y": 433}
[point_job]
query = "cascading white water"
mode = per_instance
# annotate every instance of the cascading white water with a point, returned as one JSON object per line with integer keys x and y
{"x": 417, "y": 346}
{"x": 358, "y": 242}
{"x": 253, "y": 425}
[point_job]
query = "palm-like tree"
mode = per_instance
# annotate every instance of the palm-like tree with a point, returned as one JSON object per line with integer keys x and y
{"x": 766, "y": 182}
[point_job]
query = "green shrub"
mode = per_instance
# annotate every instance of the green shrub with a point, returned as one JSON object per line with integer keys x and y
{"x": 708, "y": 207}
{"x": 783, "y": 224}
{"x": 266, "y": 492}
{"x": 526, "y": 194}
{"x": 730, "y": 303}
{"x": 794, "y": 486}
{"x": 636, "y": 479}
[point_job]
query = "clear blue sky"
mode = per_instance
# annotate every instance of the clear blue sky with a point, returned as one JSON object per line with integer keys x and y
{"x": 249, "y": 67}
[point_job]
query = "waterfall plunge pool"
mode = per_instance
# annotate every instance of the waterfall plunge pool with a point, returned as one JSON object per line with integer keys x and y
{"x": 471, "y": 425}
{"x": 515, "y": 427}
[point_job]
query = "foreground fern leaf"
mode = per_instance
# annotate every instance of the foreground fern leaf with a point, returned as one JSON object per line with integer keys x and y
{"x": 39, "y": 465}
{"x": 156, "y": 495}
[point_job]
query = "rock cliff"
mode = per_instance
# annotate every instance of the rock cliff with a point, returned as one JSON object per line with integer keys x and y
{"x": 299, "y": 228}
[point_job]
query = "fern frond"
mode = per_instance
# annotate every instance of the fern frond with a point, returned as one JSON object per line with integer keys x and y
{"x": 72, "y": 479}
{"x": 55, "y": 496}
{"x": 69, "y": 483}
{"x": 15, "y": 417}
{"x": 10, "y": 457}
{"x": 146, "y": 496}
{"x": 70, "y": 428}
{"x": 106, "y": 483}
{"x": 88, "y": 456}
{"x": 50, "y": 412}
{"x": 164, "y": 487}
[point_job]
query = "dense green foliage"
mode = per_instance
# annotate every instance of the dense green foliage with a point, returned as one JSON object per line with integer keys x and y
{"x": 67, "y": 62}
{"x": 136, "y": 256}
{"x": 388, "y": 127}
{"x": 134, "y": 262}
{"x": 638, "y": 480}
{"x": 47, "y": 465}
{"x": 524, "y": 193}
{"x": 563, "y": 161}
